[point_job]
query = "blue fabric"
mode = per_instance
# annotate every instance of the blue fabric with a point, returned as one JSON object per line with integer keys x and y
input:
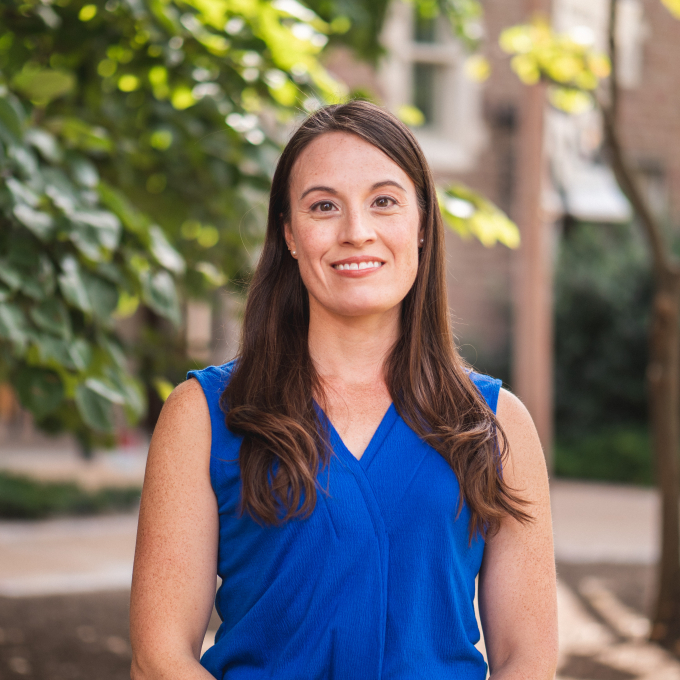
{"x": 378, "y": 583}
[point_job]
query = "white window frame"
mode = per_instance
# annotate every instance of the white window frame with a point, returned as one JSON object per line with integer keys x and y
{"x": 454, "y": 145}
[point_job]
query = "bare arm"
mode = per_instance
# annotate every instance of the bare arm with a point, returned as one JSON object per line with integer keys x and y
{"x": 173, "y": 583}
{"x": 517, "y": 583}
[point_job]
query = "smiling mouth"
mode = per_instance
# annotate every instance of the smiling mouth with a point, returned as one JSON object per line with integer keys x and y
{"x": 358, "y": 265}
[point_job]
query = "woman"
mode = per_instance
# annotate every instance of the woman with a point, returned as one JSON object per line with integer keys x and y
{"x": 347, "y": 476}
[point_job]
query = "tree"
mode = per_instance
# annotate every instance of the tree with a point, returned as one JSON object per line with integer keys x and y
{"x": 574, "y": 75}
{"x": 131, "y": 131}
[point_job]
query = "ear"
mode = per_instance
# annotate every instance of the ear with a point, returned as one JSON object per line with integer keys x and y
{"x": 288, "y": 236}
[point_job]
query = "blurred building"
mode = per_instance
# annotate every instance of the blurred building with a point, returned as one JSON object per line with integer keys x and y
{"x": 471, "y": 135}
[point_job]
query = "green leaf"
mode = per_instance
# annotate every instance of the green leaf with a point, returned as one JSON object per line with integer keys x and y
{"x": 10, "y": 275}
{"x": 103, "y": 296}
{"x": 118, "y": 203}
{"x": 105, "y": 389}
{"x": 82, "y": 135}
{"x": 12, "y": 324}
{"x": 46, "y": 144}
{"x": 84, "y": 172}
{"x": 42, "y": 86}
{"x": 470, "y": 214}
{"x": 212, "y": 274}
{"x": 45, "y": 276}
{"x": 164, "y": 252}
{"x": 25, "y": 160}
{"x": 160, "y": 295}
{"x": 94, "y": 409}
{"x": 72, "y": 284}
{"x": 411, "y": 115}
{"x": 163, "y": 388}
{"x": 94, "y": 232}
{"x": 22, "y": 193}
{"x": 105, "y": 223}
{"x": 53, "y": 351}
{"x": 40, "y": 223}
{"x": 38, "y": 282}
{"x": 52, "y": 316}
{"x": 570, "y": 100}
{"x": 132, "y": 391}
{"x": 40, "y": 391}
{"x": 10, "y": 123}
{"x": 80, "y": 352}
{"x": 114, "y": 351}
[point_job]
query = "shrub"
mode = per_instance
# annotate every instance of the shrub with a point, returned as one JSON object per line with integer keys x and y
{"x": 24, "y": 498}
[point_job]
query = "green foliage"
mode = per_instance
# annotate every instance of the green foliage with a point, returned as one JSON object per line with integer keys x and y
{"x": 573, "y": 68}
{"x": 470, "y": 214}
{"x": 603, "y": 289}
{"x": 131, "y": 132}
{"x": 621, "y": 454}
{"x": 25, "y": 498}
{"x": 63, "y": 259}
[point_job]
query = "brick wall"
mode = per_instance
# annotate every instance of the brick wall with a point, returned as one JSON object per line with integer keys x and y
{"x": 481, "y": 279}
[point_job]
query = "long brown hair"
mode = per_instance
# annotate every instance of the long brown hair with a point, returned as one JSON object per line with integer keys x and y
{"x": 270, "y": 397}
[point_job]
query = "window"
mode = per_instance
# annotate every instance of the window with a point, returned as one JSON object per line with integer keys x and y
{"x": 424, "y": 67}
{"x": 425, "y": 91}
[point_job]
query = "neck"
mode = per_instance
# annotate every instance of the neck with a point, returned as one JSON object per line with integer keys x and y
{"x": 349, "y": 350}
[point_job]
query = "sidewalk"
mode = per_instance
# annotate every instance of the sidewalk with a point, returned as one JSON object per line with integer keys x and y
{"x": 62, "y": 462}
{"x": 598, "y": 529}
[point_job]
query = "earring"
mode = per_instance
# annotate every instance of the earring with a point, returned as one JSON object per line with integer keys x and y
{"x": 293, "y": 253}
{"x": 422, "y": 240}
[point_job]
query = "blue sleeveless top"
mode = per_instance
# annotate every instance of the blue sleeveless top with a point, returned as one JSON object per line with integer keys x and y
{"x": 378, "y": 583}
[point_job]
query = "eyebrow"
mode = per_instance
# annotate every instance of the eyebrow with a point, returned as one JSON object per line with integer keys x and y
{"x": 377, "y": 185}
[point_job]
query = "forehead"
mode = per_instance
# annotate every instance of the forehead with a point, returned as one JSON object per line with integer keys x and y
{"x": 344, "y": 160}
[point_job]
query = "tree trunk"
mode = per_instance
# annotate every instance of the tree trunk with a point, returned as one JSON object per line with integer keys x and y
{"x": 662, "y": 379}
{"x": 663, "y": 370}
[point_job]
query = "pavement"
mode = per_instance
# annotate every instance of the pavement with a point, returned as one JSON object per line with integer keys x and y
{"x": 606, "y": 540}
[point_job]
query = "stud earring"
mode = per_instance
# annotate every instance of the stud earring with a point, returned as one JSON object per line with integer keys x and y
{"x": 422, "y": 240}
{"x": 293, "y": 253}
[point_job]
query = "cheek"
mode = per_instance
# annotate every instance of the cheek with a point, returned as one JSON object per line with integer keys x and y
{"x": 312, "y": 239}
{"x": 312, "y": 243}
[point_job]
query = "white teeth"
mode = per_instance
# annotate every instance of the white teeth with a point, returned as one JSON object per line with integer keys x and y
{"x": 361, "y": 265}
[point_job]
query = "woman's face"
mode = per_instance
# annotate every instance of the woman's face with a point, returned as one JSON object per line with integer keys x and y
{"x": 354, "y": 225}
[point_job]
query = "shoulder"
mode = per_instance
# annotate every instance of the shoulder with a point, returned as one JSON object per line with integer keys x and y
{"x": 184, "y": 425}
{"x": 513, "y": 415}
{"x": 525, "y": 454}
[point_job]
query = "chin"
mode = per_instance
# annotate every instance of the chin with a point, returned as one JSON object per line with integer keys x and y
{"x": 356, "y": 308}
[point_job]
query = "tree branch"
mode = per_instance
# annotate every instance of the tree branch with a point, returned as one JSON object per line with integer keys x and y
{"x": 613, "y": 57}
{"x": 663, "y": 263}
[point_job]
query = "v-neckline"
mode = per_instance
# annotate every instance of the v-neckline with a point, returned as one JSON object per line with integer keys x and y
{"x": 374, "y": 444}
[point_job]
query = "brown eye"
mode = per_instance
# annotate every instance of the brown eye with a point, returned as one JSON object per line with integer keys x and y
{"x": 384, "y": 201}
{"x": 323, "y": 206}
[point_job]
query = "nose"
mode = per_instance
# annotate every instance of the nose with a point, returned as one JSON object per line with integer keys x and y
{"x": 356, "y": 229}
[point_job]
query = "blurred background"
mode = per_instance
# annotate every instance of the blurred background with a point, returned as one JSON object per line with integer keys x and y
{"x": 137, "y": 142}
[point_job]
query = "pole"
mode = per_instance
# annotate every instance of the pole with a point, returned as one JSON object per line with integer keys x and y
{"x": 533, "y": 333}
